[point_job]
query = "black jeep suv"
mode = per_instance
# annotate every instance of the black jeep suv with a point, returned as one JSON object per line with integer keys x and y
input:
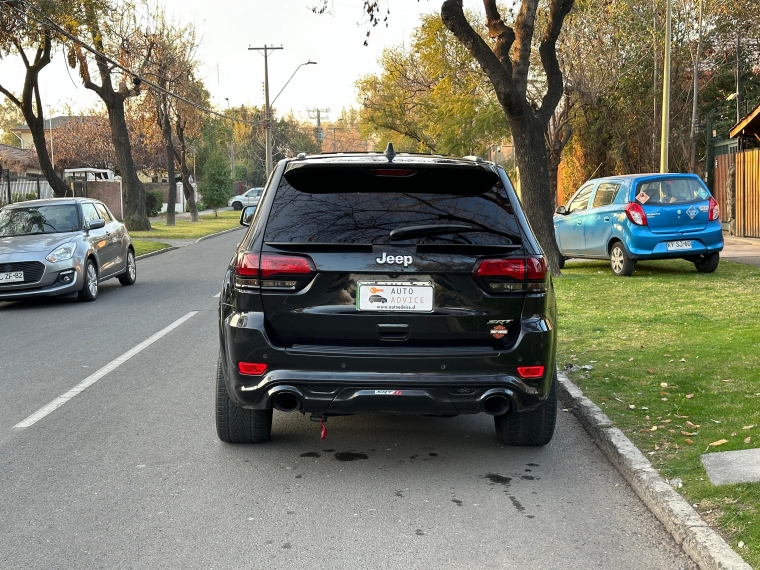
{"x": 387, "y": 283}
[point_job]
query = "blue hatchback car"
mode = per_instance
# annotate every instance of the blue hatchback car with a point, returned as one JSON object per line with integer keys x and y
{"x": 641, "y": 216}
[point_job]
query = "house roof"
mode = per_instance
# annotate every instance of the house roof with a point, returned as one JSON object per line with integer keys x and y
{"x": 50, "y": 123}
{"x": 749, "y": 126}
{"x": 11, "y": 155}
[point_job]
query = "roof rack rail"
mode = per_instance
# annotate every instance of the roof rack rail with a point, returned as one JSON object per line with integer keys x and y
{"x": 473, "y": 158}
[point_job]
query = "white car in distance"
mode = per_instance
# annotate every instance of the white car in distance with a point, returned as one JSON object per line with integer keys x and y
{"x": 248, "y": 198}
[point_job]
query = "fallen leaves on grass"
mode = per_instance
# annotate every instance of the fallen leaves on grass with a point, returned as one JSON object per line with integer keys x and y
{"x": 689, "y": 441}
{"x": 747, "y": 439}
{"x": 650, "y": 370}
{"x": 689, "y": 396}
{"x": 689, "y": 432}
{"x": 748, "y": 427}
{"x": 691, "y": 425}
{"x": 717, "y": 443}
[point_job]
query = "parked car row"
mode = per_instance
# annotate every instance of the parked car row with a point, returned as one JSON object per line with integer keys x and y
{"x": 62, "y": 246}
{"x": 641, "y": 216}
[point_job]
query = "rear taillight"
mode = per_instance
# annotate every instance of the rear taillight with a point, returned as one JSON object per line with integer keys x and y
{"x": 713, "y": 213}
{"x": 272, "y": 271}
{"x": 530, "y": 371}
{"x": 513, "y": 273}
{"x": 252, "y": 368}
{"x": 635, "y": 213}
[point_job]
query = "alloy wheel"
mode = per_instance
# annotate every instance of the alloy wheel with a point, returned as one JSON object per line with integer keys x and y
{"x": 92, "y": 280}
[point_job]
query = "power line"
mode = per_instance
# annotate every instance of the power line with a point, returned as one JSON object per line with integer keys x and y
{"x": 139, "y": 79}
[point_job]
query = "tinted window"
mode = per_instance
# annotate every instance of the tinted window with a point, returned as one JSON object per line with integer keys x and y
{"x": 605, "y": 194}
{"x": 580, "y": 202}
{"x": 671, "y": 191}
{"x": 38, "y": 220}
{"x": 368, "y": 217}
{"x": 102, "y": 212}
{"x": 89, "y": 211}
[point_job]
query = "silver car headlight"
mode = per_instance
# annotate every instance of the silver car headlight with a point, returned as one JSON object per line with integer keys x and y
{"x": 62, "y": 253}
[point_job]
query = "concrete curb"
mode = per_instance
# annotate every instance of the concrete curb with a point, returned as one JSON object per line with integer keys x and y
{"x": 699, "y": 541}
{"x": 157, "y": 252}
{"x": 229, "y": 231}
{"x": 173, "y": 247}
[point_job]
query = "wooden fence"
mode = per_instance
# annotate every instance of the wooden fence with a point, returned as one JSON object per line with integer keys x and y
{"x": 747, "y": 190}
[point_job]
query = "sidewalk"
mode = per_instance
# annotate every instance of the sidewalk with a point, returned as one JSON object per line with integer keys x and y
{"x": 182, "y": 216}
{"x": 186, "y": 215}
{"x": 741, "y": 250}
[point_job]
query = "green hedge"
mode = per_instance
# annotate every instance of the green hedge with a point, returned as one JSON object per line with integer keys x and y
{"x": 154, "y": 199}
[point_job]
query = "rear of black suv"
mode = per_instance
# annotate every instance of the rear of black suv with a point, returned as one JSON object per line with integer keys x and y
{"x": 411, "y": 285}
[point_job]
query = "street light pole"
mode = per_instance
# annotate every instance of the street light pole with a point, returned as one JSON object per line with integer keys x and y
{"x": 665, "y": 133}
{"x": 268, "y": 110}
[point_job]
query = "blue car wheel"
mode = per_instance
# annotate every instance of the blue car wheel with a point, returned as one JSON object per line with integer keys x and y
{"x": 621, "y": 264}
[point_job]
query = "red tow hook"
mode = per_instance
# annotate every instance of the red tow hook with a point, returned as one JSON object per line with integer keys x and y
{"x": 323, "y": 427}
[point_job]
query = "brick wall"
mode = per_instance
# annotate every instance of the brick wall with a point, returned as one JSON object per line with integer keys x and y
{"x": 109, "y": 193}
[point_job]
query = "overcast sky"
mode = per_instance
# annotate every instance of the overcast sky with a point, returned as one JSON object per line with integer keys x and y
{"x": 228, "y": 27}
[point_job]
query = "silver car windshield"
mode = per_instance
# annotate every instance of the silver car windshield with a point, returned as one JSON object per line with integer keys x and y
{"x": 33, "y": 220}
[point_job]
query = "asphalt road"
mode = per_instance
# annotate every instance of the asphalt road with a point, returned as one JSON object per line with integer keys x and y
{"x": 129, "y": 473}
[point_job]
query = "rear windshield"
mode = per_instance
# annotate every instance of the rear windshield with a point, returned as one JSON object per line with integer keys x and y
{"x": 670, "y": 191}
{"x": 369, "y": 217}
{"x": 38, "y": 220}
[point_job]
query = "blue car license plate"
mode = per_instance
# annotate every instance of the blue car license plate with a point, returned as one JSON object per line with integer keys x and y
{"x": 679, "y": 245}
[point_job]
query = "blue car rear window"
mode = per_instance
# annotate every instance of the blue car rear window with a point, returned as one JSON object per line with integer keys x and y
{"x": 670, "y": 191}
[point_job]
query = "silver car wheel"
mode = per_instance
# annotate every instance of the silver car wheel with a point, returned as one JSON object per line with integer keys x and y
{"x": 131, "y": 267}
{"x": 92, "y": 280}
{"x": 616, "y": 260}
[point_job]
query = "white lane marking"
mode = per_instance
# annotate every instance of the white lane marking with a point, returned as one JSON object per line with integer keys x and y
{"x": 97, "y": 375}
{"x": 217, "y": 295}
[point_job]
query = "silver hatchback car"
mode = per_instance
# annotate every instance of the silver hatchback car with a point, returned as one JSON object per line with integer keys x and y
{"x": 62, "y": 246}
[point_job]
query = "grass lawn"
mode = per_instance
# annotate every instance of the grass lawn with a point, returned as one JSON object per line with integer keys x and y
{"x": 142, "y": 247}
{"x": 676, "y": 366}
{"x": 185, "y": 229}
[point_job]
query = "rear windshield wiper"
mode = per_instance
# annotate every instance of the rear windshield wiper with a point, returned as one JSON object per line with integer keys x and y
{"x": 430, "y": 230}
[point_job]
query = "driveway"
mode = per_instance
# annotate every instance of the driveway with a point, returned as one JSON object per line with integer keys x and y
{"x": 741, "y": 250}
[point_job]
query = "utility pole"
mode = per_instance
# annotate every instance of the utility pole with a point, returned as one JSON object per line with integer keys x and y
{"x": 268, "y": 119}
{"x": 319, "y": 133}
{"x": 232, "y": 149}
{"x": 738, "y": 79}
{"x": 665, "y": 132}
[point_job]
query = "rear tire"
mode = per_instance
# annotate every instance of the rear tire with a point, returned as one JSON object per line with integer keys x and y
{"x": 235, "y": 424}
{"x": 237, "y": 205}
{"x": 130, "y": 272}
{"x": 534, "y": 428}
{"x": 707, "y": 263}
{"x": 89, "y": 291}
{"x": 621, "y": 264}
{"x": 561, "y": 261}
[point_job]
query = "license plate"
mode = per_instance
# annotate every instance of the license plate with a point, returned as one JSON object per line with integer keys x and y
{"x": 394, "y": 296}
{"x": 678, "y": 245}
{"x": 11, "y": 277}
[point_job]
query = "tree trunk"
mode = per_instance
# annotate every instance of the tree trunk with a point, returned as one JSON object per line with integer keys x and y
{"x": 37, "y": 127}
{"x": 134, "y": 215}
{"x": 187, "y": 188}
{"x": 535, "y": 184}
{"x": 731, "y": 197}
{"x": 30, "y": 98}
{"x": 166, "y": 129}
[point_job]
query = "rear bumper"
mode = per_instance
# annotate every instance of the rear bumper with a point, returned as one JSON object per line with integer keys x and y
{"x": 641, "y": 243}
{"x": 344, "y": 380}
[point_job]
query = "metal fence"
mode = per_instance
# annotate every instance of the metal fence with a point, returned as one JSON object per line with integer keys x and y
{"x": 17, "y": 188}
